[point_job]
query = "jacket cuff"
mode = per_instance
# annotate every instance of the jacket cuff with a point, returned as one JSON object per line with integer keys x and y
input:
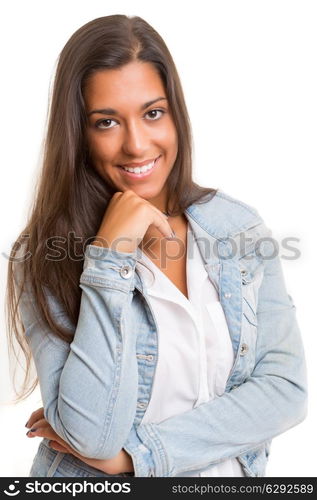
{"x": 140, "y": 454}
{"x": 147, "y": 452}
{"x": 110, "y": 268}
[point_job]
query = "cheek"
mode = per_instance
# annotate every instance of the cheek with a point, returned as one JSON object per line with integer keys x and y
{"x": 168, "y": 139}
{"x": 173, "y": 144}
{"x": 101, "y": 150}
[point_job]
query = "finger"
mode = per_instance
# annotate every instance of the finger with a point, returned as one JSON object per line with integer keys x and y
{"x": 65, "y": 449}
{"x": 163, "y": 226}
{"x": 42, "y": 422}
{"x": 161, "y": 223}
{"x": 44, "y": 431}
{"x": 36, "y": 415}
{"x": 58, "y": 447}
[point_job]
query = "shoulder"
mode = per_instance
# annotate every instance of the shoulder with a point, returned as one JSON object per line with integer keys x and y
{"x": 225, "y": 216}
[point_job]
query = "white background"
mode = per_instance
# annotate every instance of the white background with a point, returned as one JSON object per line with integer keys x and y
{"x": 248, "y": 70}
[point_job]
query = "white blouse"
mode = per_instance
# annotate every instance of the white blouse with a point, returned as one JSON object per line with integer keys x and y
{"x": 195, "y": 353}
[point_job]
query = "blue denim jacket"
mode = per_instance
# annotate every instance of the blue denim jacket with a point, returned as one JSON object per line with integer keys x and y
{"x": 95, "y": 390}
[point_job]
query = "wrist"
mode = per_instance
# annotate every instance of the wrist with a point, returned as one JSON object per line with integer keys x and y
{"x": 123, "y": 244}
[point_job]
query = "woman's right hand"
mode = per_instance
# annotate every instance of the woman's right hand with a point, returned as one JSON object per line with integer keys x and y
{"x": 127, "y": 219}
{"x": 39, "y": 427}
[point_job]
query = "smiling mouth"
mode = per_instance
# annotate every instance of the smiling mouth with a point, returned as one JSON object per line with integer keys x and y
{"x": 140, "y": 170}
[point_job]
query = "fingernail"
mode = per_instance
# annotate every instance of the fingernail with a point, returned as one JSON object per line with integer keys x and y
{"x": 31, "y": 430}
{"x": 172, "y": 236}
{"x": 26, "y": 425}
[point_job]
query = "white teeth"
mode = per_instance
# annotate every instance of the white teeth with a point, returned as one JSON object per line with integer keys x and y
{"x": 138, "y": 170}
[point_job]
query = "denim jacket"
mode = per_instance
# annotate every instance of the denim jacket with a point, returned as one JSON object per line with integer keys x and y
{"x": 96, "y": 389}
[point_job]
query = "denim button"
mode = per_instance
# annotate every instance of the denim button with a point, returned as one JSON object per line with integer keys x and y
{"x": 244, "y": 349}
{"x": 227, "y": 295}
{"x": 243, "y": 272}
{"x": 141, "y": 405}
{"x": 126, "y": 272}
{"x": 149, "y": 357}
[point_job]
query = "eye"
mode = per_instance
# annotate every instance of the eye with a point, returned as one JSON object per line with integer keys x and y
{"x": 100, "y": 123}
{"x": 155, "y": 117}
{"x": 155, "y": 114}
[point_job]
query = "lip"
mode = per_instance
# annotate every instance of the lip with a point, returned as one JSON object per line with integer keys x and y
{"x": 141, "y": 175}
{"x": 134, "y": 165}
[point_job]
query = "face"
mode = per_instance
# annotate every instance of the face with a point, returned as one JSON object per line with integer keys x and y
{"x": 130, "y": 125}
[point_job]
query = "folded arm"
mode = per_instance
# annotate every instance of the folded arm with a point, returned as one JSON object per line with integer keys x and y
{"x": 89, "y": 388}
{"x": 270, "y": 401}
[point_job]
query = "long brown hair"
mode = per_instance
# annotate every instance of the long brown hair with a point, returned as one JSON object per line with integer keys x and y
{"x": 71, "y": 197}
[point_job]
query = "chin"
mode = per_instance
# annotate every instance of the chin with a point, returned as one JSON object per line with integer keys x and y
{"x": 147, "y": 193}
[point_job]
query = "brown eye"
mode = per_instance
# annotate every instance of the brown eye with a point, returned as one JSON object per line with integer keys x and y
{"x": 155, "y": 111}
{"x": 102, "y": 124}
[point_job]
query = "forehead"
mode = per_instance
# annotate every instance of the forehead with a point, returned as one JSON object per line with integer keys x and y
{"x": 134, "y": 82}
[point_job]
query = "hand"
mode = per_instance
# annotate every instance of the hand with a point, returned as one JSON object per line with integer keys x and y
{"x": 126, "y": 220}
{"x": 120, "y": 463}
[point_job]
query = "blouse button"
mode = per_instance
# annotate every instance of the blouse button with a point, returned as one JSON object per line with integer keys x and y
{"x": 244, "y": 349}
{"x": 126, "y": 272}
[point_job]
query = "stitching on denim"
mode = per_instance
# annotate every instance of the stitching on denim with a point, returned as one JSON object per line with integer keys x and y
{"x": 223, "y": 195}
{"x": 215, "y": 462}
{"x": 236, "y": 230}
{"x": 249, "y": 321}
{"x": 142, "y": 471}
{"x": 159, "y": 449}
{"x": 104, "y": 283}
{"x": 249, "y": 305}
{"x": 116, "y": 382}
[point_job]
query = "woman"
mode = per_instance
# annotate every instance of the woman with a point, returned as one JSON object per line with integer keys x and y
{"x": 163, "y": 337}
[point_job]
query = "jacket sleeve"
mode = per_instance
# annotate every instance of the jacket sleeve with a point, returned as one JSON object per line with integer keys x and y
{"x": 269, "y": 402}
{"x": 89, "y": 387}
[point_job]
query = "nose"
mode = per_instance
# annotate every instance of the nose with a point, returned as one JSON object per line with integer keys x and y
{"x": 135, "y": 141}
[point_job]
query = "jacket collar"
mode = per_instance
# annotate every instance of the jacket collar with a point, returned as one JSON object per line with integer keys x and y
{"x": 222, "y": 227}
{"x": 222, "y": 216}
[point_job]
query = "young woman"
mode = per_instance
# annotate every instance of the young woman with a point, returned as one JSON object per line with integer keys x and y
{"x": 155, "y": 311}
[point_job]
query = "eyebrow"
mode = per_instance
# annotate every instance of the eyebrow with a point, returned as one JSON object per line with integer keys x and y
{"x": 111, "y": 111}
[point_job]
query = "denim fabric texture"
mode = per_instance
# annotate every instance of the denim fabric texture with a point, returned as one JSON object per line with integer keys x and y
{"x": 95, "y": 390}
